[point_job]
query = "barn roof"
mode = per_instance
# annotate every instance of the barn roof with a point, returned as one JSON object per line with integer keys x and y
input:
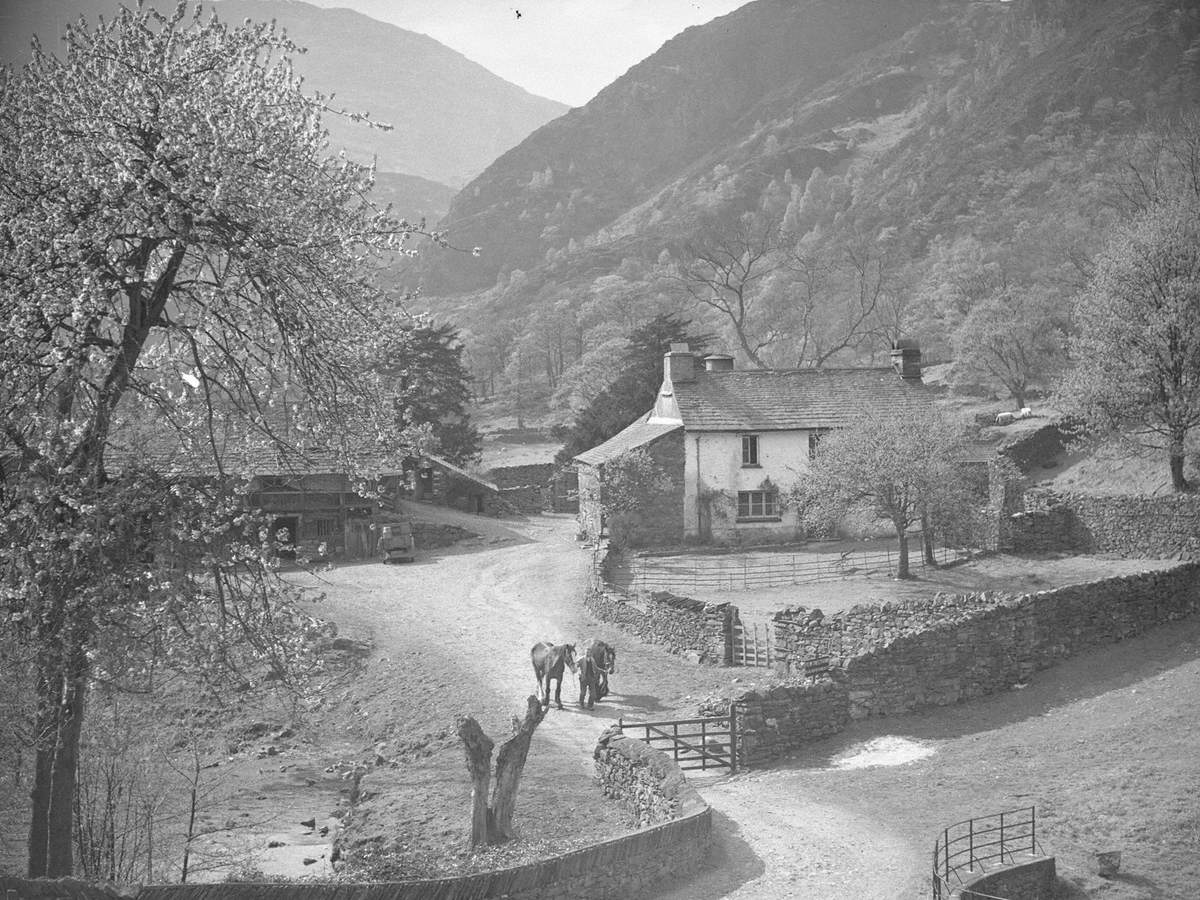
{"x": 639, "y": 434}
{"x": 784, "y": 400}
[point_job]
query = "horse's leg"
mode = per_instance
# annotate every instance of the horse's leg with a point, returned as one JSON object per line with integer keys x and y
{"x": 558, "y": 692}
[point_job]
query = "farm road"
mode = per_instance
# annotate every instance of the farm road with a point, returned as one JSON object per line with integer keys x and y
{"x": 457, "y": 625}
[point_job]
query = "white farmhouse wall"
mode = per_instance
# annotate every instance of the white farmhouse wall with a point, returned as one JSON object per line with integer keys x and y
{"x": 713, "y": 469}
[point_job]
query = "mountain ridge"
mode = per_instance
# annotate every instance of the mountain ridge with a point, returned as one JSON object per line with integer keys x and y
{"x": 450, "y": 115}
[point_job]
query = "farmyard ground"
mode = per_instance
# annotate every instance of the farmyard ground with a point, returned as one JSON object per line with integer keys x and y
{"x": 1105, "y": 745}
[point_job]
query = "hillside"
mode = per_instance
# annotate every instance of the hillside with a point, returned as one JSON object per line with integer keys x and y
{"x": 450, "y": 116}
{"x": 948, "y": 150}
{"x": 695, "y": 97}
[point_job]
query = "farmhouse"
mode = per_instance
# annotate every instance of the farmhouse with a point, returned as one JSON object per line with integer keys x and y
{"x": 734, "y": 443}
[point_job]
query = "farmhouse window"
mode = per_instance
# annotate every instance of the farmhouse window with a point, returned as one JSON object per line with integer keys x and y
{"x": 758, "y": 505}
{"x": 325, "y": 527}
{"x": 749, "y": 449}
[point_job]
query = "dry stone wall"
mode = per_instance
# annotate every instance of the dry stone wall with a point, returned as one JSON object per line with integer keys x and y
{"x": 526, "y": 488}
{"x": 684, "y": 626}
{"x": 773, "y": 722}
{"x": 1149, "y": 527}
{"x": 687, "y": 627}
{"x": 644, "y": 780}
{"x": 430, "y": 535}
{"x": 919, "y": 653}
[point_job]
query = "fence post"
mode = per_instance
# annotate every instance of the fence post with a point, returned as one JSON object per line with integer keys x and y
{"x": 971, "y": 845}
{"x": 1001, "y": 838}
{"x": 1032, "y": 831}
{"x": 733, "y": 741}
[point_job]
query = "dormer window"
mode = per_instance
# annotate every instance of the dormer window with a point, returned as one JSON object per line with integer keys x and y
{"x": 749, "y": 450}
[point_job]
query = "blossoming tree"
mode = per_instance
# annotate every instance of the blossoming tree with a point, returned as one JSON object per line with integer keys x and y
{"x": 180, "y": 255}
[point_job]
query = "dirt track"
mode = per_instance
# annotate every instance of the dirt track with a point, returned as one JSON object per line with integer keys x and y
{"x": 499, "y": 594}
{"x": 452, "y": 634}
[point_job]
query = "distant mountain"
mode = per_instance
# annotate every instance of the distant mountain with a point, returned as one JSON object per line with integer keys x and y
{"x": 413, "y": 198}
{"x": 450, "y": 116}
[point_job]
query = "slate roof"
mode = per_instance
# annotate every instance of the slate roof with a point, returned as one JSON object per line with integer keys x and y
{"x": 244, "y": 451}
{"x": 639, "y": 434}
{"x": 783, "y": 400}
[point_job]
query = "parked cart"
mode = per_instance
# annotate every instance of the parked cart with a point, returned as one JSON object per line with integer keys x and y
{"x": 396, "y": 543}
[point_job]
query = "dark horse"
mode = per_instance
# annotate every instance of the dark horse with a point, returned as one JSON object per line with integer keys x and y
{"x": 548, "y": 661}
{"x": 597, "y": 661}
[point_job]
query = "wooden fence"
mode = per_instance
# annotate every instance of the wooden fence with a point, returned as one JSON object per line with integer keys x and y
{"x": 683, "y": 573}
{"x": 753, "y": 644}
{"x": 708, "y": 742}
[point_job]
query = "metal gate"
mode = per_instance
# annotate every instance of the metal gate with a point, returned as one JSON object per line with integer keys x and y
{"x": 708, "y": 742}
{"x": 753, "y": 644}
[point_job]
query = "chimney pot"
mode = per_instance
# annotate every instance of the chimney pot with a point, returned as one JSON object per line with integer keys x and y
{"x": 906, "y": 359}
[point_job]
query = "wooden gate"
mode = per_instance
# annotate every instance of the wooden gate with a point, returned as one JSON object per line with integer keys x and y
{"x": 753, "y": 644}
{"x": 708, "y": 742}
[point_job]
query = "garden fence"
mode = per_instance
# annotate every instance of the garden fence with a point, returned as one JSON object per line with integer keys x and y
{"x": 683, "y": 573}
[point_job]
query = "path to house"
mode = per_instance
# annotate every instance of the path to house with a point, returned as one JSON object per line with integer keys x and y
{"x": 521, "y": 582}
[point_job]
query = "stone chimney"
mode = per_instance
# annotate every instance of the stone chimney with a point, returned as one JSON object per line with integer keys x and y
{"x": 718, "y": 362}
{"x": 679, "y": 365}
{"x": 906, "y": 359}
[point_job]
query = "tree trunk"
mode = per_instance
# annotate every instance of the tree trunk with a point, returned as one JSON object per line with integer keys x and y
{"x": 493, "y": 824}
{"x": 902, "y": 565}
{"x": 479, "y": 763}
{"x": 510, "y": 762}
{"x": 1175, "y": 453}
{"x": 61, "y": 689}
{"x": 927, "y": 541}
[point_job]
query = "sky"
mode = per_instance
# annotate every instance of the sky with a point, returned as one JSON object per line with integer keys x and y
{"x": 566, "y": 50}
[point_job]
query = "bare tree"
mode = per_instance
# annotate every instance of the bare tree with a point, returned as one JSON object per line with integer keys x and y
{"x": 723, "y": 268}
{"x": 491, "y": 823}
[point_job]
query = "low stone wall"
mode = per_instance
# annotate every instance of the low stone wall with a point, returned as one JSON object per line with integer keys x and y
{"x": 684, "y": 626}
{"x": 920, "y": 653}
{"x": 1036, "y": 879}
{"x": 430, "y": 536}
{"x": 644, "y": 780}
{"x": 1038, "y": 449}
{"x": 1157, "y": 527}
{"x": 521, "y": 476}
{"x": 782, "y": 718}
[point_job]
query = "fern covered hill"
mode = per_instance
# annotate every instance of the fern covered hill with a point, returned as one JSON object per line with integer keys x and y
{"x": 692, "y": 100}
{"x": 450, "y": 116}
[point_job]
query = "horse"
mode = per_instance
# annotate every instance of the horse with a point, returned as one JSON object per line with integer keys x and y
{"x": 548, "y": 661}
{"x": 596, "y": 662}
